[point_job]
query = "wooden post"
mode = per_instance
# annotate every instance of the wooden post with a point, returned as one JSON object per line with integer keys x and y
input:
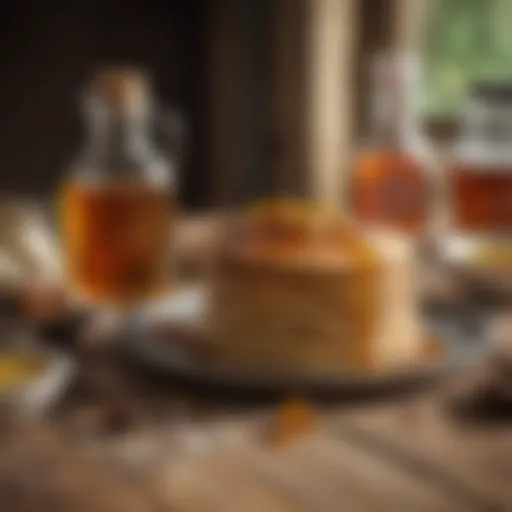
{"x": 332, "y": 27}
{"x": 410, "y": 20}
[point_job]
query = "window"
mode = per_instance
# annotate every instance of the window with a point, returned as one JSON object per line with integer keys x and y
{"x": 465, "y": 40}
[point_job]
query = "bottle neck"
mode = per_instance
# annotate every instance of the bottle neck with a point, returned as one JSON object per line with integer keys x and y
{"x": 383, "y": 129}
{"x": 391, "y": 121}
{"x": 485, "y": 121}
{"x": 118, "y": 148}
{"x": 117, "y": 136}
{"x": 486, "y": 133}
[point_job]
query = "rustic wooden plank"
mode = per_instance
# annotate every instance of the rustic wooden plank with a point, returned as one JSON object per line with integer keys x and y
{"x": 220, "y": 482}
{"x": 332, "y": 474}
{"x": 233, "y": 468}
{"x": 470, "y": 461}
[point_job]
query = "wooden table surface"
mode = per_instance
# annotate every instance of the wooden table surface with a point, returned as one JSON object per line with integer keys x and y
{"x": 122, "y": 432}
{"x": 121, "y": 440}
{"x": 172, "y": 449}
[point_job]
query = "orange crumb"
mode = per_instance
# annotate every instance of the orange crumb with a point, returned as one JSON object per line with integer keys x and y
{"x": 293, "y": 418}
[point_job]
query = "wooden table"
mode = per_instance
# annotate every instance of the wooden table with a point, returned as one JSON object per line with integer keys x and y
{"x": 122, "y": 440}
{"x": 120, "y": 434}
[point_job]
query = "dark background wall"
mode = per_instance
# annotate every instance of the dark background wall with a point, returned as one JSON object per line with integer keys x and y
{"x": 48, "y": 49}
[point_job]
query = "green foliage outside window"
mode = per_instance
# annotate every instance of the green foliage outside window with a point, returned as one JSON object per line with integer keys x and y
{"x": 466, "y": 40}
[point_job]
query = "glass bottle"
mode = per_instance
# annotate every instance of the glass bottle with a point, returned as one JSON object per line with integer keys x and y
{"x": 389, "y": 181}
{"x": 117, "y": 202}
{"x": 481, "y": 173}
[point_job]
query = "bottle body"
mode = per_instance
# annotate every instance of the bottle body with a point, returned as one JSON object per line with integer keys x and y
{"x": 389, "y": 183}
{"x": 390, "y": 190}
{"x": 117, "y": 240}
{"x": 117, "y": 209}
{"x": 482, "y": 197}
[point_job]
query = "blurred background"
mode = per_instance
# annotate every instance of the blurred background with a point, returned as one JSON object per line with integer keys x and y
{"x": 277, "y": 98}
{"x": 259, "y": 82}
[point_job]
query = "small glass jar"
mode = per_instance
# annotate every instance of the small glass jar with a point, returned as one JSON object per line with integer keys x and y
{"x": 117, "y": 202}
{"x": 481, "y": 173}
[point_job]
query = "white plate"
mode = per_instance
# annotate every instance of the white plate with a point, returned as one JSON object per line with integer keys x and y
{"x": 463, "y": 347}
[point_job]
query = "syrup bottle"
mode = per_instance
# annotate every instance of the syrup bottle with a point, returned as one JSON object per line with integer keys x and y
{"x": 389, "y": 183}
{"x": 117, "y": 202}
{"x": 481, "y": 173}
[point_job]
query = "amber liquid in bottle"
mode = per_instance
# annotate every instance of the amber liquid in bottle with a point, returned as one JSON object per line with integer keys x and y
{"x": 482, "y": 198}
{"x": 117, "y": 241}
{"x": 389, "y": 189}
